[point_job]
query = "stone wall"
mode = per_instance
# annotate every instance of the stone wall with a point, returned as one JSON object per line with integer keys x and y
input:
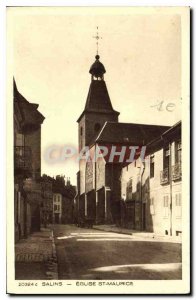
{"x": 33, "y": 140}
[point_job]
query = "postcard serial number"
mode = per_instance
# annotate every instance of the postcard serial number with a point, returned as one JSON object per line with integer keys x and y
{"x": 27, "y": 284}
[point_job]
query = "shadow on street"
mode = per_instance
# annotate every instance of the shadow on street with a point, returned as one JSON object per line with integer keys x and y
{"x": 92, "y": 254}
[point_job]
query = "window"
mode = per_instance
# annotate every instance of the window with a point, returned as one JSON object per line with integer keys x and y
{"x": 56, "y": 207}
{"x": 178, "y": 199}
{"x": 19, "y": 139}
{"x": 97, "y": 127}
{"x": 165, "y": 201}
{"x": 152, "y": 166}
{"x": 166, "y": 154}
{"x": 165, "y": 206}
{"x": 178, "y": 205}
{"x": 152, "y": 206}
{"x": 166, "y": 162}
{"x": 81, "y": 131}
{"x": 178, "y": 152}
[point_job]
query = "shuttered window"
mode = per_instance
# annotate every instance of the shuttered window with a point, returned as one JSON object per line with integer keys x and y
{"x": 178, "y": 206}
{"x": 152, "y": 211}
{"x": 166, "y": 206}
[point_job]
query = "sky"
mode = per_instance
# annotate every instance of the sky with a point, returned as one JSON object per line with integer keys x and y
{"x": 53, "y": 50}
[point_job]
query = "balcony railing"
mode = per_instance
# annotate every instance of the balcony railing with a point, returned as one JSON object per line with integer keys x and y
{"x": 164, "y": 176}
{"x": 22, "y": 158}
{"x": 176, "y": 171}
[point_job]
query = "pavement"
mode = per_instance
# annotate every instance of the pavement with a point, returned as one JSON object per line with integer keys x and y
{"x": 98, "y": 254}
{"x": 35, "y": 257}
{"x": 143, "y": 234}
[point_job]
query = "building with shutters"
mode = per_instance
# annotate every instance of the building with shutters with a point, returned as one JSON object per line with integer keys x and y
{"x": 63, "y": 200}
{"x": 151, "y": 190}
{"x": 47, "y": 200}
{"x": 27, "y": 165}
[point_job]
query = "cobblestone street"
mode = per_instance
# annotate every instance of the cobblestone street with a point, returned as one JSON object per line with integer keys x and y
{"x": 32, "y": 254}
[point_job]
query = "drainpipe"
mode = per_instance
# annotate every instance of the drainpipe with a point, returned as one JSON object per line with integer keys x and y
{"x": 170, "y": 183}
{"x": 143, "y": 163}
{"x": 96, "y": 196}
{"x": 85, "y": 196}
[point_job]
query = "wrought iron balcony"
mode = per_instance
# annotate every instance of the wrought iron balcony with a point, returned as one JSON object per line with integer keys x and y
{"x": 22, "y": 159}
{"x": 164, "y": 176}
{"x": 176, "y": 171}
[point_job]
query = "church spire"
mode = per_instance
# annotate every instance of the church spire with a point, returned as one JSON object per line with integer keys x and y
{"x": 98, "y": 104}
{"x": 97, "y": 69}
{"x": 97, "y": 37}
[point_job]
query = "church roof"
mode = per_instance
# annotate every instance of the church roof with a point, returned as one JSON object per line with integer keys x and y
{"x": 169, "y": 135}
{"x": 129, "y": 133}
{"x": 98, "y": 99}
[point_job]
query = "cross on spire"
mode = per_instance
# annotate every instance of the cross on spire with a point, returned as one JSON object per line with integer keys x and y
{"x": 97, "y": 37}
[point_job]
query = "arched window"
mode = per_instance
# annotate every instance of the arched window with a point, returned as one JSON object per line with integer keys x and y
{"x": 97, "y": 127}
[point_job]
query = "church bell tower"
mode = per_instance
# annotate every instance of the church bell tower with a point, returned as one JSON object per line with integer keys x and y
{"x": 98, "y": 108}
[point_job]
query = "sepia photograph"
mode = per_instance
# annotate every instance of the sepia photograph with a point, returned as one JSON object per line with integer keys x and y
{"x": 98, "y": 133}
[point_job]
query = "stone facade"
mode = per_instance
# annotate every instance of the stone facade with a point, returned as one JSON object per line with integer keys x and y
{"x": 27, "y": 165}
{"x": 57, "y": 208}
{"x": 63, "y": 209}
{"x": 47, "y": 200}
{"x": 155, "y": 198}
{"x": 33, "y": 141}
{"x": 63, "y": 200}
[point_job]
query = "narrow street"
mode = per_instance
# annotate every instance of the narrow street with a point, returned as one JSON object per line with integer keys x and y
{"x": 92, "y": 254}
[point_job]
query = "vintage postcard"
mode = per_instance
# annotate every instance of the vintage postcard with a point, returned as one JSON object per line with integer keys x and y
{"x": 98, "y": 198}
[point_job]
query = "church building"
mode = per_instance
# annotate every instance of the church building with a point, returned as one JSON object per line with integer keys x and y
{"x": 99, "y": 181}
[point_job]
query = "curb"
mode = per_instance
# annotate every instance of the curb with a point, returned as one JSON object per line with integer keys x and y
{"x": 153, "y": 236}
{"x": 52, "y": 264}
